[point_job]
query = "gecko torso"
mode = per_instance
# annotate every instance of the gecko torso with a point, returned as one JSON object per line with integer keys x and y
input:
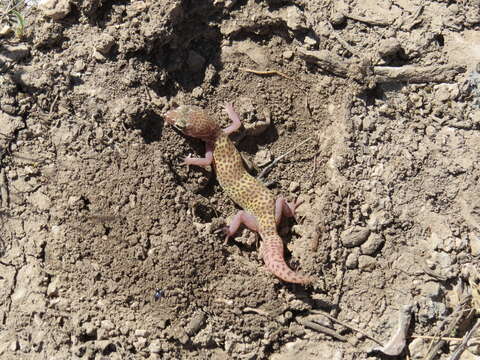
{"x": 261, "y": 211}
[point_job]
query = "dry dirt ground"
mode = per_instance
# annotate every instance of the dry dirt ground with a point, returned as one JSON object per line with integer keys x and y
{"x": 110, "y": 246}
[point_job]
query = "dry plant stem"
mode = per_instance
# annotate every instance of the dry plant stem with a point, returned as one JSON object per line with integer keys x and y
{"x": 4, "y": 189}
{"x": 347, "y": 325}
{"x": 314, "y": 326}
{"x": 256, "y": 311}
{"x": 267, "y": 169}
{"x": 417, "y": 74}
{"x": 266, "y": 72}
{"x": 332, "y": 63}
{"x": 326, "y": 60}
{"x": 461, "y": 347}
{"x": 446, "y": 338}
{"x": 367, "y": 20}
{"x": 457, "y": 315}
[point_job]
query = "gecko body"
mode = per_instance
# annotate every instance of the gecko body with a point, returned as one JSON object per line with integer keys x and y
{"x": 261, "y": 212}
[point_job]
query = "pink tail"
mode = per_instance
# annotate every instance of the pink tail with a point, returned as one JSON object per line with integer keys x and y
{"x": 273, "y": 258}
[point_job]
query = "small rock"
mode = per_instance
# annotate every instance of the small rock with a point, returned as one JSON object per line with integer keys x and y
{"x": 52, "y": 289}
{"x": 389, "y": 47}
{"x": 337, "y": 18}
{"x": 366, "y": 263}
{"x": 90, "y": 329}
{"x": 6, "y": 30}
{"x": 142, "y": 333}
{"x": 293, "y": 17}
{"x": 445, "y": 92}
{"x": 198, "y": 320}
{"x": 352, "y": 260}
{"x": 474, "y": 244}
{"x": 431, "y": 290}
{"x": 55, "y": 9}
{"x": 195, "y": 61}
{"x": 368, "y": 123}
{"x": 288, "y": 54}
{"x": 103, "y": 344}
{"x": 9, "y": 124}
{"x": 40, "y": 200}
{"x": 373, "y": 243}
{"x": 155, "y": 347}
{"x": 444, "y": 260}
{"x": 294, "y": 186}
{"x": 13, "y": 345}
{"x": 197, "y": 92}
{"x": 140, "y": 343}
{"x": 354, "y": 236}
{"x": 309, "y": 41}
{"x": 262, "y": 157}
{"x": 79, "y": 65}
{"x": 107, "y": 325}
{"x": 104, "y": 44}
{"x": 417, "y": 348}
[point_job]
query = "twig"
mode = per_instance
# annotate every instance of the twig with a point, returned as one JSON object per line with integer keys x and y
{"x": 458, "y": 315}
{"x": 4, "y": 189}
{"x": 461, "y": 347}
{"x": 366, "y": 20}
{"x": 351, "y": 327}
{"x": 322, "y": 329}
{"x": 427, "y": 337}
{"x": 326, "y": 60}
{"x": 257, "y": 311}
{"x": 267, "y": 169}
{"x": 417, "y": 74}
{"x": 266, "y": 72}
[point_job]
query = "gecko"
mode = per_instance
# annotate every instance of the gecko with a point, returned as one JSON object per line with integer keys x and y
{"x": 261, "y": 211}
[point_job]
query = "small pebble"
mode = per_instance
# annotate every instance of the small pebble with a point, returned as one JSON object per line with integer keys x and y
{"x": 262, "y": 157}
{"x": 142, "y": 333}
{"x": 197, "y": 321}
{"x": 417, "y": 348}
{"x": 104, "y": 44}
{"x": 107, "y": 325}
{"x": 155, "y": 346}
{"x": 389, "y": 47}
{"x": 352, "y": 260}
{"x": 372, "y": 245}
{"x": 294, "y": 186}
{"x": 55, "y": 9}
{"x": 366, "y": 263}
{"x": 431, "y": 290}
{"x": 474, "y": 244}
{"x": 354, "y": 236}
{"x": 288, "y": 54}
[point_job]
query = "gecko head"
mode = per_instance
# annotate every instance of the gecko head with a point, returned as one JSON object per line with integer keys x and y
{"x": 193, "y": 121}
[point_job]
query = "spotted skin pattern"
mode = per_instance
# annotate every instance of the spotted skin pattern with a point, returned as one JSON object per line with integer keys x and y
{"x": 262, "y": 211}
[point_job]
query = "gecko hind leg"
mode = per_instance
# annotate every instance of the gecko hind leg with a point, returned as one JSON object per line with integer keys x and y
{"x": 242, "y": 217}
{"x": 285, "y": 209}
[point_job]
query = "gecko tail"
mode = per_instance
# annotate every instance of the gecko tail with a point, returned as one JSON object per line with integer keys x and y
{"x": 273, "y": 258}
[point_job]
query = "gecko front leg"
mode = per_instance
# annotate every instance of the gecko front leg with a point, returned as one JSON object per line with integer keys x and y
{"x": 197, "y": 161}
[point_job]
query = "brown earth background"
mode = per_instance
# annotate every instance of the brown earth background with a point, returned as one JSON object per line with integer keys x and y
{"x": 376, "y": 107}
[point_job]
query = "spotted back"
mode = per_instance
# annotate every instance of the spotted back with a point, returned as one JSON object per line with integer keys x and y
{"x": 241, "y": 187}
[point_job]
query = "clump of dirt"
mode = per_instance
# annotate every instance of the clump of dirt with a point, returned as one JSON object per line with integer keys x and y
{"x": 111, "y": 248}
